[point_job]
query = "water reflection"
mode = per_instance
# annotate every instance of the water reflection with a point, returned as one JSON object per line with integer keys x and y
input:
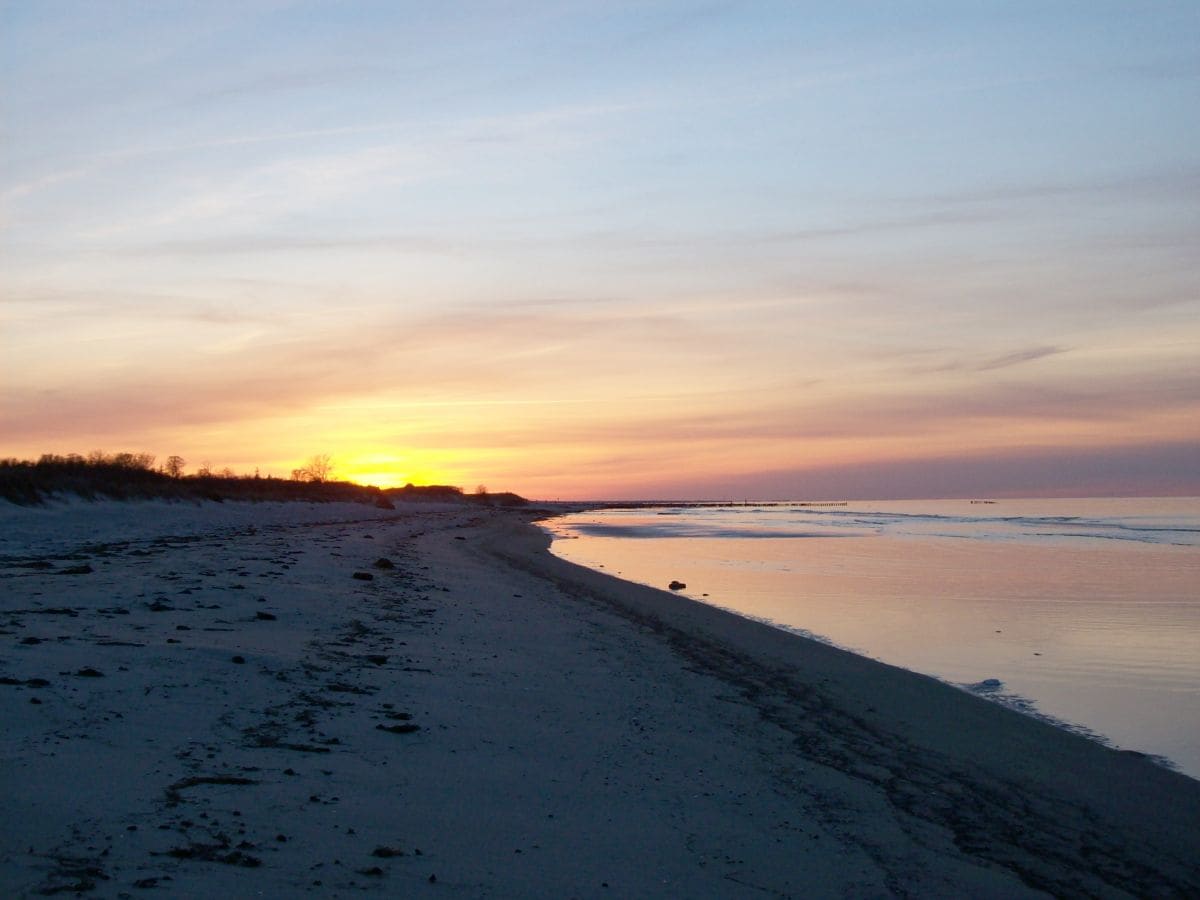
{"x": 1099, "y": 631}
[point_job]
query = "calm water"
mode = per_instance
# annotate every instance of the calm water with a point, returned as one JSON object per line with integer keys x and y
{"x": 1083, "y": 611}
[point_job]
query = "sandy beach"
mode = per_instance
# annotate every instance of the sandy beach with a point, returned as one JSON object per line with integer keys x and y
{"x": 284, "y": 699}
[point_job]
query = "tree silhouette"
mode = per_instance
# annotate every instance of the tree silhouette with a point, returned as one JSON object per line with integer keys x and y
{"x": 318, "y": 468}
{"x": 174, "y": 466}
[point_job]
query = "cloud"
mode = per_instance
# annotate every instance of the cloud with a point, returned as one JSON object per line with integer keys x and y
{"x": 40, "y": 183}
{"x": 1017, "y": 357}
{"x": 1006, "y": 360}
{"x": 1142, "y": 469}
{"x": 251, "y": 243}
{"x": 1173, "y": 181}
{"x": 808, "y": 418}
{"x": 329, "y": 181}
{"x": 75, "y": 307}
{"x": 288, "y": 81}
{"x": 596, "y": 371}
{"x": 478, "y": 354}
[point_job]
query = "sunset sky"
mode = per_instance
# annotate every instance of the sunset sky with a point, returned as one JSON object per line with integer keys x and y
{"x": 609, "y": 249}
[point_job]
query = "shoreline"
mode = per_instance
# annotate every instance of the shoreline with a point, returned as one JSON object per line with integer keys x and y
{"x": 486, "y": 718}
{"x": 1033, "y": 607}
{"x": 967, "y": 732}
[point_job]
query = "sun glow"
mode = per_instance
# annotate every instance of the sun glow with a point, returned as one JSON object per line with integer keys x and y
{"x": 397, "y": 288}
{"x": 387, "y": 470}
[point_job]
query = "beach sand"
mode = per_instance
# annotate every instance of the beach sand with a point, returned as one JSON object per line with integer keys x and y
{"x": 220, "y": 702}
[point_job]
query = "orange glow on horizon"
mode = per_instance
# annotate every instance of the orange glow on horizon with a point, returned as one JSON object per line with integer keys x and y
{"x": 397, "y": 287}
{"x": 390, "y": 470}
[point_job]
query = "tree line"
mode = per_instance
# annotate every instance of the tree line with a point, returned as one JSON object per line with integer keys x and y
{"x": 134, "y": 476}
{"x": 131, "y": 476}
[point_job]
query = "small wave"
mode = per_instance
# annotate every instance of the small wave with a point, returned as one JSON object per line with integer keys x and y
{"x": 987, "y": 686}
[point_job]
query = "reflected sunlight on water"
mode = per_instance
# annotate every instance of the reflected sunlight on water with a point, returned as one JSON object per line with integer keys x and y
{"x": 1088, "y": 608}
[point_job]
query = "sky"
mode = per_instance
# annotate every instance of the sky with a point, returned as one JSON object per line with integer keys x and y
{"x": 606, "y": 249}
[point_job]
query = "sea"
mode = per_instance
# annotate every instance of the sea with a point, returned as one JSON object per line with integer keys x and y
{"x": 1082, "y": 612}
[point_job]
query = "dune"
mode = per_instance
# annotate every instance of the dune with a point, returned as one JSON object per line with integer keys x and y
{"x": 285, "y": 699}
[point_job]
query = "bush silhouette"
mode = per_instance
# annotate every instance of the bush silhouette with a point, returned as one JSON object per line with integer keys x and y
{"x": 132, "y": 476}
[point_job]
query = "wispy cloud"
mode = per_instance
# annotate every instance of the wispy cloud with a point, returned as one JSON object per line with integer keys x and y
{"x": 254, "y": 244}
{"x": 768, "y": 237}
{"x": 988, "y": 364}
{"x": 1162, "y": 181}
{"x": 288, "y": 81}
{"x": 40, "y": 183}
{"x": 1018, "y": 357}
{"x": 1142, "y": 468}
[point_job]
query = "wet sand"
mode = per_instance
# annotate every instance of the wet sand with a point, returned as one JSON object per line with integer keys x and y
{"x": 241, "y": 710}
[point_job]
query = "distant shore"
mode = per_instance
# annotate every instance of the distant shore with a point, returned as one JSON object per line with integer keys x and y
{"x": 323, "y": 699}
